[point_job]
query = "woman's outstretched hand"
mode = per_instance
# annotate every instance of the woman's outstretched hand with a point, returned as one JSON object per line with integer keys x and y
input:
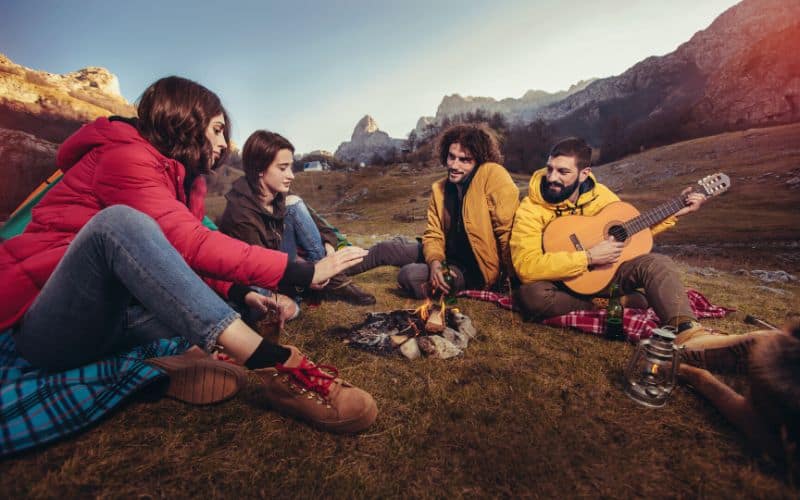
{"x": 337, "y": 262}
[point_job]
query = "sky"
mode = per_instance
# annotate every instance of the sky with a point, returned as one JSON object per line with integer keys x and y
{"x": 311, "y": 69}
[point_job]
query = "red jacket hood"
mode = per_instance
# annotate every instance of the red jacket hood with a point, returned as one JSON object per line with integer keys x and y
{"x": 97, "y": 133}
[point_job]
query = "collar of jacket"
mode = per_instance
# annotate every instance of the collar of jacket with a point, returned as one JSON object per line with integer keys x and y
{"x": 587, "y": 194}
{"x": 248, "y": 199}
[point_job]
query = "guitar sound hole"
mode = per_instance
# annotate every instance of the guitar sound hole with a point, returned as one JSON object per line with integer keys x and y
{"x": 618, "y": 232}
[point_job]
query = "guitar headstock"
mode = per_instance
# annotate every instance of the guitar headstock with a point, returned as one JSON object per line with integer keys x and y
{"x": 713, "y": 184}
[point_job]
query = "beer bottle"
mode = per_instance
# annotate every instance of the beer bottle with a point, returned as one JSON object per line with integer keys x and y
{"x": 450, "y": 298}
{"x": 614, "y": 313}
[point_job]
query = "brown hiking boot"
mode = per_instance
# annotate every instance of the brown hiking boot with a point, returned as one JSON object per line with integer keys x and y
{"x": 197, "y": 379}
{"x": 314, "y": 393}
{"x": 351, "y": 294}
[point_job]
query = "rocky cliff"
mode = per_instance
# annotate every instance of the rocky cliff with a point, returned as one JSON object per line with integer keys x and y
{"x": 739, "y": 72}
{"x": 514, "y": 110}
{"x": 368, "y": 144}
{"x": 38, "y": 110}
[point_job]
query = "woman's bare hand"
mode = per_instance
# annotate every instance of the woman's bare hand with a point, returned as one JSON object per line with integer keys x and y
{"x": 335, "y": 263}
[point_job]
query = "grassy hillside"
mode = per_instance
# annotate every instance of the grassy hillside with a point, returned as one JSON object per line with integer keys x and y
{"x": 528, "y": 411}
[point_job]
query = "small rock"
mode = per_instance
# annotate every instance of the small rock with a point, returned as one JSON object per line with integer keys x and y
{"x": 704, "y": 271}
{"x": 398, "y": 339}
{"x": 773, "y": 276}
{"x": 410, "y": 349}
{"x": 458, "y": 339}
{"x": 438, "y": 347}
{"x": 464, "y": 325}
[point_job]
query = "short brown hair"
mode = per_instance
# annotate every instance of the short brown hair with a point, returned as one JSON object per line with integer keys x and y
{"x": 478, "y": 139}
{"x": 576, "y": 148}
{"x": 174, "y": 114}
{"x": 259, "y": 152}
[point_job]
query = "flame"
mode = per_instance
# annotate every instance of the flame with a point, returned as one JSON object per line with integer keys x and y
{"x": 654, "y": 369}
{"x": 423, "y": 311}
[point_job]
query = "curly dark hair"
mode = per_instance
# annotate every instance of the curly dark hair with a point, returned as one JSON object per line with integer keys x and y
{"x": 259, "y": 152}
{"x": 480, "y": 140}
{"x": 174, "y": 114}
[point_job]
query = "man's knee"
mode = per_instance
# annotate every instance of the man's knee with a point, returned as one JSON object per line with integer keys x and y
{"x": 655, "y": 262}
{"x": 411, "y": 277}
{"x": 396, "y": 252}
{"x": 536, "y": 298}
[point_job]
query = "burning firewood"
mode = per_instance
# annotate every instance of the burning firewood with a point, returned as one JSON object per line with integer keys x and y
{"x": 435, "y": 323}
{"x": 431, "y": 329}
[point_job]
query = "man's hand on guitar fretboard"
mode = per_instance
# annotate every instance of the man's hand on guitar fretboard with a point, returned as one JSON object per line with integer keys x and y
{"x": 693, "y": 201}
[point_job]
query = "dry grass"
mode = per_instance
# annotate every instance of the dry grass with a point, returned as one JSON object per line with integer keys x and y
{"x": 529, "y": 411}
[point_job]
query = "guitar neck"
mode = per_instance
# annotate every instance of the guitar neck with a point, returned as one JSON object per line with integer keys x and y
{"x": 654, "y": 215}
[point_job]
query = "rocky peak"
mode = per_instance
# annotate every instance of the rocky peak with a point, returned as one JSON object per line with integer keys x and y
{"x": 365, "y": 127}
{"x": 52, "y": 106}
{"x": 368, "y": 144}
{"x": 513, "y": 109}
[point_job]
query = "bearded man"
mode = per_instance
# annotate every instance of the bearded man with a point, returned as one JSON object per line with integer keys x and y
{"x": 568, "y": 187}
{"x": 469, "y": 217}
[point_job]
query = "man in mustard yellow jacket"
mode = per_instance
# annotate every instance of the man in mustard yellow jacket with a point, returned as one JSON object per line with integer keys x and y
{"x": 469, "y": 217}
{"x": 568, "y": 187}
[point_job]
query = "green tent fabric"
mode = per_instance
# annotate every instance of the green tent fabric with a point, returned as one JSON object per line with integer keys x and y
{"x": 22, "y": 216}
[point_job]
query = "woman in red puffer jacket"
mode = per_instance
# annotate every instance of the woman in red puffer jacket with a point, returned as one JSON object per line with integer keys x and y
{"x": 116, "y": 254}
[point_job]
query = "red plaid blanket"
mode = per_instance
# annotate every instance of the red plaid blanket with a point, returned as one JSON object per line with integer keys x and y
{"x": 638, "y": 323}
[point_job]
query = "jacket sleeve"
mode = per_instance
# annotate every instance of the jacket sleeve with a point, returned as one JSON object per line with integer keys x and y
{"x": 130, "y": 176}
{"x": 665, "y": 224}
{"x": 433, "y": 244}
{"x": 503, "y": 202}
{"x": 530, "y": 262}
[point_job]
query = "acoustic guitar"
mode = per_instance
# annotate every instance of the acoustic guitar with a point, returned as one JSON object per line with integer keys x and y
{"x": 621, "y": 220}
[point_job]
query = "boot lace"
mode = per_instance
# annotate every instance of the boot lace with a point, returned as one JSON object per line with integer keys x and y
{"x": 310, "y": 376}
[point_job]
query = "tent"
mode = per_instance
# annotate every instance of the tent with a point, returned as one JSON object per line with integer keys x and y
{"x": 21, "y": 216}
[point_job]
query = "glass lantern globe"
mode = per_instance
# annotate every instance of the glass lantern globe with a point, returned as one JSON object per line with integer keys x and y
{"x": 652, "y": 371}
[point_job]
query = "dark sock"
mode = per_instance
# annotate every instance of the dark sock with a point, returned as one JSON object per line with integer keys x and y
{"x": 267, "y": 354}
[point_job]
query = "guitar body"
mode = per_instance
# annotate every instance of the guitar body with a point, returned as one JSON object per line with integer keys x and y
{"x": 572, "y": 233}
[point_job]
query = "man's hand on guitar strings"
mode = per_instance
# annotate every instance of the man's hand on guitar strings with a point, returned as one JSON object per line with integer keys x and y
{"x": 693, "y": 201}
{"x": 606, "y": 252}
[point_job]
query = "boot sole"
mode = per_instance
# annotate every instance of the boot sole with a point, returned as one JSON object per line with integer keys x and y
{"x": 354, "y": 425}
{"x": 200, "y": 381}
{"x": 731, "y": 359}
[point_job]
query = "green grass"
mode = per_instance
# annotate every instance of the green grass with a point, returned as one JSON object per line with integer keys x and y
{"x": 528, "y": 411}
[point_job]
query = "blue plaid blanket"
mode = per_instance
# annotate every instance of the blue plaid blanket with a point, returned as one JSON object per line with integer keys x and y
{"x": 38, "y": 407}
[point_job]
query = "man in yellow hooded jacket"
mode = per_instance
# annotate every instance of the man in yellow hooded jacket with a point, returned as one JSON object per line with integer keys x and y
{"x": 568, "y": 187}
{"x": 470, "y": 214}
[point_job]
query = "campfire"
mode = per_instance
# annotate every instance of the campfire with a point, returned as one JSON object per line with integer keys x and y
{"x": 432, "y": 329}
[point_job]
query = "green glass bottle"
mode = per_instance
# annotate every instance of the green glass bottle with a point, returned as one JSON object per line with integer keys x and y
{"x": 614, "y": 312}
{"x": 449, "y": 298}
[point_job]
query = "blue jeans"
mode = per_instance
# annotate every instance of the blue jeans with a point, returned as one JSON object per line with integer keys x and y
{"x": 299, "y": 230}
{"x": 120, "y": 283}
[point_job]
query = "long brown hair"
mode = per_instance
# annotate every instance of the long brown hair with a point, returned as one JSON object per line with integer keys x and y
{"x": 174, "y": 114}
{"x": 259, "y": 152}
